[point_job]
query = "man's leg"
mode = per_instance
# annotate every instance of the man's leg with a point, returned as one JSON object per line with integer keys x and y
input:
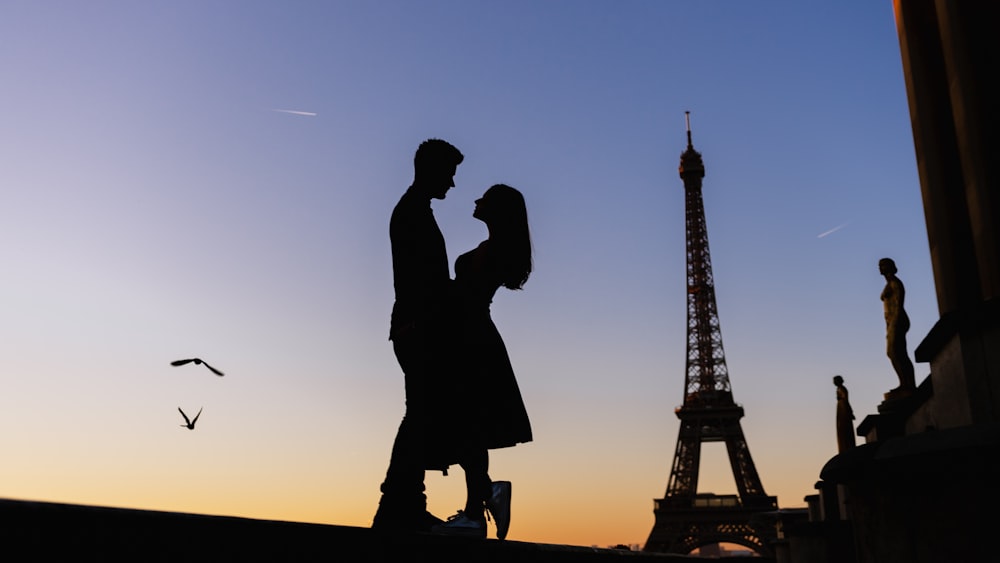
{"x": 403, "y": 500}
{"x": 403, "y": 504}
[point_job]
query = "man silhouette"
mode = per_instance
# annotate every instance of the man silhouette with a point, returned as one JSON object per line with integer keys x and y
{"x": 419, "y": 331}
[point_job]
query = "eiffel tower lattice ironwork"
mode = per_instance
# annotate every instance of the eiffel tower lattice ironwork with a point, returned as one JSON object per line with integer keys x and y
{"x": 685, "y": 519}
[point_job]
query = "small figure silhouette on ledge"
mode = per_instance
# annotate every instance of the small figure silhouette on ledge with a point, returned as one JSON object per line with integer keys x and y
{"x": 897, "y": 323}
{"x": 197, "y": 361}
{"x": 845, "y": 416}
{"x": 190, "y": 423}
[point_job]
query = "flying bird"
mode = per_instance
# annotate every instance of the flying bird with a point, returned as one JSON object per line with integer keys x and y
{"x": 190, "y": 423}
{"x": 196, "y": 361}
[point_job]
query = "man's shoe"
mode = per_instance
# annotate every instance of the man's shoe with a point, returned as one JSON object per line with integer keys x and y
{"x": 499, "y": 506}
{"x": 428, "y": 521}
{"x": 462, "y": 524}
{"x": 396, "y": 521}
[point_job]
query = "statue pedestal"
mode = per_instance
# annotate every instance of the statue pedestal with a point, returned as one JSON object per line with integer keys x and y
{"x": 895, "y": 412}
{"x": 898, "y": 394}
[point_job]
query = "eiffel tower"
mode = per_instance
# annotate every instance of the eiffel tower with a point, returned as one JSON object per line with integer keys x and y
{"x": 685, "y": 519}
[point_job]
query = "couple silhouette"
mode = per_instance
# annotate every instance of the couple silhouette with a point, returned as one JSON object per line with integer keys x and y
{"x": 462, "y": 398}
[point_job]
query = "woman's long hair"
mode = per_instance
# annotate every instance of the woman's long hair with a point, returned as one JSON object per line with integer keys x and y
{"x": 510, "y": 240}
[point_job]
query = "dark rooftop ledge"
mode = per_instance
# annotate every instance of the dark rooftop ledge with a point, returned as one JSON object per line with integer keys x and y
{"x": 44, "y": 530}
{"x": 987, "y": 315}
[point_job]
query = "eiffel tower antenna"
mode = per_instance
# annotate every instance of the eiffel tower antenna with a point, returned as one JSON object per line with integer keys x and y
{"x": 687, "y": 121}
{"x": 686, "y": 519}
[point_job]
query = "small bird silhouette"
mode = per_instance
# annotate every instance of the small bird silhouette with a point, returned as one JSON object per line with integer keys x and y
{"x": 190, "y": 423}
{"x": 197, "y": 361}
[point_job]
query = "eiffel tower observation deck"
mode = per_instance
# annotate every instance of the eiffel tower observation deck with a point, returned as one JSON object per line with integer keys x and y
{"x": 685, "y": 519}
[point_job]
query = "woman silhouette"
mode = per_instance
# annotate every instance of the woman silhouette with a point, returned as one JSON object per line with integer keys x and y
{"x": 491, "y": 413}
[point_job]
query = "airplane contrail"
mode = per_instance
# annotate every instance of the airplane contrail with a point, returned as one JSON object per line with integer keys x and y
{"x": 833, "y": 230}
{"x": 297, "y": 112}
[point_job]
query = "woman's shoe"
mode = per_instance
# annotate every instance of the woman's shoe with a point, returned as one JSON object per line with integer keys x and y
{"x": 499, "y": 507}
{"x": 461, "y": 524}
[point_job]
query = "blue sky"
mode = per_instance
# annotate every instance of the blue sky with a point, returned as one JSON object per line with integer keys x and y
{"x": 154, "y": 205}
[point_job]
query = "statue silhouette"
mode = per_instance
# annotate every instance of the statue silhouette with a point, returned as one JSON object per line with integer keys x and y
{"x": 845, "y": 416}
{"x": 897, "y": 323}
{"x": 421, "y": 331}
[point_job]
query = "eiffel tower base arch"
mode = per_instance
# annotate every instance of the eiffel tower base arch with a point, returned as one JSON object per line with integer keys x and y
{"x": 683, "y": 525}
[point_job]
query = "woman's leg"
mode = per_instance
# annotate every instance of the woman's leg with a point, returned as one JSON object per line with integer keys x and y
{"x": 477, "y": 481}
{"x": 471, "y": 521}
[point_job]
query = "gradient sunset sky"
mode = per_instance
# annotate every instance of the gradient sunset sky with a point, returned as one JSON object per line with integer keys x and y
{"x": 215, "y": 179}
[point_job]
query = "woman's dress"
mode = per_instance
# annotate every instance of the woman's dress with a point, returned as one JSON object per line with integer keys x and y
{"x": 492, "y": 403}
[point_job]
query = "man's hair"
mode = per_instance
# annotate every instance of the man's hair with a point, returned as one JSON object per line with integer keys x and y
{"x": 434, "y": 153}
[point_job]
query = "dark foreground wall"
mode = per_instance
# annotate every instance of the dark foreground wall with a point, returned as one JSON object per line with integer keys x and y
{"x": 37, "y": 531}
